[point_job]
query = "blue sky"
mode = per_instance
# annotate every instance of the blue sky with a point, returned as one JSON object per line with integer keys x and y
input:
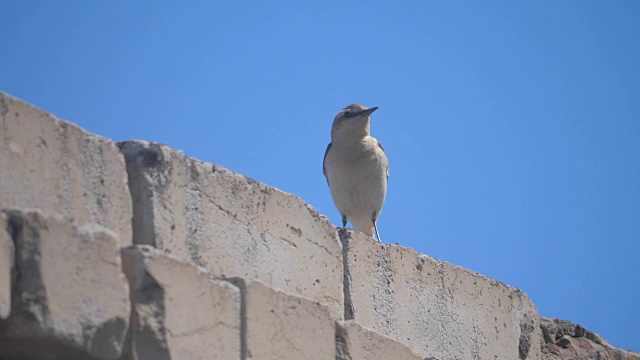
{"x": 512, "y": 128}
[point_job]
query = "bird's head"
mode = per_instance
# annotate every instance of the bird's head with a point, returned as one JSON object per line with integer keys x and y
{"x": 352, "y": 121}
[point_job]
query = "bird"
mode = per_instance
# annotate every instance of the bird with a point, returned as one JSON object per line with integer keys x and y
{"x": 357, "y": 169}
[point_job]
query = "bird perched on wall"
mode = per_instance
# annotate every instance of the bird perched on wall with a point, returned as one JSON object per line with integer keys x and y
{"x": 356, "y": 169}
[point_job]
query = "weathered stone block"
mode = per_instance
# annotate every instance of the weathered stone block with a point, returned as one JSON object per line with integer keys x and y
{"x": 61, "y": 169}
{"x": 436, "y": 309}
{"x": 70, "y": 298}
{"x": 284, "y": 326}
{"x": 231, "y": 225}
{"x": 354, "y": 341}
{"x": 179, "y": 312}
{"x": 6, "y": 266}
{"x": 565, "y": 340}
{"x": 581, "y": 348}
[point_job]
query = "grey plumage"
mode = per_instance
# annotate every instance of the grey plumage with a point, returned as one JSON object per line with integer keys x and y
{"x": 356, "y": 168}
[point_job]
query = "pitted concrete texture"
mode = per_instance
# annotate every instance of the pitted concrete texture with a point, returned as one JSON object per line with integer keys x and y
{"x": 59, "y": 168}
{"x": 284, "y": 326}
{"x": 6, "y": 266}
{"x": 70, "y": 298}
{"x": 179, "y": 311}
{"x": 436, "y": 309}
{"x": 354, "y": 341}
{"x": 231, "y": 225}
{"x": 223, "y": 267}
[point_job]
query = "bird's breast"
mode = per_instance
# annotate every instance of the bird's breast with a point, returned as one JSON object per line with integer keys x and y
{"x": 364, "y": 156}
{"x": 357, "y": 176}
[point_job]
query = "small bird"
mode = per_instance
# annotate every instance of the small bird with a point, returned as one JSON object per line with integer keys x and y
{"x": 356, "y": 169}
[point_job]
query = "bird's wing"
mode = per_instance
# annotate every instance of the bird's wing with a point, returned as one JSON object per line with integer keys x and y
{"x": 385, "y": 154}
{"x": 324, "y": 168}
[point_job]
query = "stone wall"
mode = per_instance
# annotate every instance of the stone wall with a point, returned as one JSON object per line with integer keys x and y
{"x": 136, "y": 251}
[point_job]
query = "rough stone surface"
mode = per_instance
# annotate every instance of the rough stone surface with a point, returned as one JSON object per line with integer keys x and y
{"x": 564, "y": 340}
{"x": 354, "y": 341}
{"x": 231, "y": 269}
{"x": 436, "y": 309}
{"x": 6, "y": 266}
{"x": 61, "y": 169}
{"x": 231, "y": 225}
{"x": 284, "y": 326}
{"x": 179, "y": 312}
{"x": 70, "y": 298}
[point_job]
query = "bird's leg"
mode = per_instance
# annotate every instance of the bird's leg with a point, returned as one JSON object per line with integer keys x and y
{"x": 344, "y": 220}
{"x": 377, "y": 233}
{"x": 375, "y": 226}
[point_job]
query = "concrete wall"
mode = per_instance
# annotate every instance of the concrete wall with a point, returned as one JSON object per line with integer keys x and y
{"x": 136, "y": 251}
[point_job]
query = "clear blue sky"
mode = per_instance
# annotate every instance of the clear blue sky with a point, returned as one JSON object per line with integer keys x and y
{"x": 512, "y": 128}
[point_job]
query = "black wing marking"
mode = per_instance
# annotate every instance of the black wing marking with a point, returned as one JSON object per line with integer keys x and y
{"x": 324, "y": 168}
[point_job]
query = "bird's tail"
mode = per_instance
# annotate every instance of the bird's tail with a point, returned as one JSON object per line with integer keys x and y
{"x": 366, "y": 228}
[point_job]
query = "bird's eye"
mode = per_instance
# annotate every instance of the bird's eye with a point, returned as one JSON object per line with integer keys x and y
{"x": 348, "y": 114}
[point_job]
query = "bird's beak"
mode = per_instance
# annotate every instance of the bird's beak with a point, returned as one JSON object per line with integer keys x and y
{"x": 368, "y": 111}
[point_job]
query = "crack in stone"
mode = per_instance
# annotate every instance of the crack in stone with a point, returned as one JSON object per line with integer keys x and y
{"x": 201, "y": 329}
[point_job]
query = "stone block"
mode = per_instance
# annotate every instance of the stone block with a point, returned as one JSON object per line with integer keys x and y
{"x": 437, "y": 309}
{"x": 565, "y": 340}
{"x": 231, "y": 225}
{"x": 179, "y": 311}
{"x": 6, "y": 267}
{"x": 70, "y": 298}
{"x": 354, "y": 341}
{"x": 279, "y": 325}
{"x": 581, "y": 348}
{"x": 59, "y": 168}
